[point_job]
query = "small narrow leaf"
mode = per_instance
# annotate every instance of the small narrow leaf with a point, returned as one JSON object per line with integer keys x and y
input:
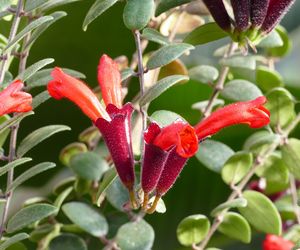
{"x": 37, "y": 136}
{"x": 236, "y": 227}
{"x": 29, "y": 215}
{"x": 30, "y": 173}
{"x": 193, "y": 229}
{"x": 155, "y": 36}
{"x": 160, "y": 87}
{"x": 86, "y": 217}
{"x": 48, "y": 5}
{"x": 5, "y": 133}
{"x": 205, "y": 34}
{"x": 67, "y": 242}
{"x": 137, "y": 235}
{"x": 108, "y": 178}
{"x": 239, "y": 202}
{"x": 14, "y": 239}
{"x": 167, "y": 54}
{"x": 126, "y": 73}
{"x": 4, "y": 169}
{"x": 16, "y": 119}
{"x": 96, "y": 10}
{"x": 245, "y": 62}
{"x": 62, "y": 197}
{"x": 40, "y": 99}
{"x": 31, "y": 5}
{"x": 165, "y": 5}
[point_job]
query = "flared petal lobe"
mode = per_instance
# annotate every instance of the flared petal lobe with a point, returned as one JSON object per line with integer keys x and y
{"x": 276, "y": 11}
{"x": 109, "y": 79}
{"x": 241, "y": 10}
{"x": 274, "y": 242}
{"x": 252, "y": 113}
{"x": 13, "y": 99}
{"x": 219, "y": 13}
{"x": 117, "y": 136}
{"x": 259, "y": 9}
{"x": 66, "y": 86}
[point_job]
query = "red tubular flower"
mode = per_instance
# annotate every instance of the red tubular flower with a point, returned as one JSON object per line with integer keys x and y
{"x": 274, "y": 242}
{"x": 241, "y": 10}
{"x": 259, "y": 9}
{"x": 219, "y": 13}
{"x": 13, "y": 99}
{"x": 252, "y": 113}
{"x": 276, "y": 11}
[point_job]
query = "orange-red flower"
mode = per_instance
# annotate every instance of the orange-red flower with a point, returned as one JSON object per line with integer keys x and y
{"x": 13, "y": 99}
{"x": 274, "y": 242}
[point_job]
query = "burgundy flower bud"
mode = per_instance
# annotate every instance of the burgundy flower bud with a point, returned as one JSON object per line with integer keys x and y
{"x": 259, "y": 9}
{"x": 276, "y": 11}
{"x": 219, "y": 13}
{"x": 117, "y": 136}
{"x": 153, "y": 161}
{"x": 241, "y": 10}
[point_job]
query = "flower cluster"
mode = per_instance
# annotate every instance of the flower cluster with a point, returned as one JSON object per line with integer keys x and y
{"x": 166, "y": 149}
{"x": 252, "y": 19}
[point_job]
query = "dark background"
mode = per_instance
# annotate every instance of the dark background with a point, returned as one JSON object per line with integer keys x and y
{"x": 198, "y": 190}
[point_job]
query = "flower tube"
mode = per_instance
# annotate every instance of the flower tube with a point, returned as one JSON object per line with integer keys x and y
{"x": 274, "y": 242}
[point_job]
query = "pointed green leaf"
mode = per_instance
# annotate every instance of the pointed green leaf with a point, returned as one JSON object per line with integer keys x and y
{"x": 86, "y": 217}
{"x": 204, "y": 73}
{"x": 213, "y": 154}
{"x": 291, "y": 156}
{"x": 37, "y": 136}
{"x": 30, "y": 173}
{"x": 205, "y": 34}
{"x": 5, "y": 133}
{"x": 241, "y": 90}
{"x": 126, "y": 73}
{"x": 261, "y": 213}
{"x": 239, "y": 202}
{"x": 40, "y": 99}
{"x": 14, "y": 239}
{"x": 160, "y": 87}
{"x": 116, "y": 194}
{"x": 165, "y": 5}
{"x": 167, "y": 54}
{"x": 14, "y": 120}
{"x": 272, "y": 40}
{"x": 236, "y": 227}
{"x": 137, "y": 235}
{"x": 33, "y": 25}
{"x": 245, "y": 62}
{"x": 108, "y": 178}
{"x": 96, "y": 10}
{"x": 192, "y": 229}
{"x": 164, "y": 117}
{"x": 283, "y": 50}
{"x": 155, "y": 36}
{"x": 67, "y": 242}
{"x": 62, "y": 197}
{"x": 31, "y": 5}
{"x": 29, "y": 215}
{"x": 4, "y": 169}
{"x": 48, "y": 5}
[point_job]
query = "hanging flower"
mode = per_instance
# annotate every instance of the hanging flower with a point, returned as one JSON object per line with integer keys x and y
{"x": 274, "y": 242}
{"x": 13, "y": 99}
{"x": 114, "y": 122}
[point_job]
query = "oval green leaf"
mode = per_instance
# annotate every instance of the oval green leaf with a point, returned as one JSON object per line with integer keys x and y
{"x": 283, "y": 50}
{"x": 165, "y": 5}
{"x": 164, "y": 117}
{"x": 245, "y": 62}
{"x": 204, "y": 73}
{"x": 267, "y": 78}
{"x": 117, "y": 194}
{"x": 67, "y": 242}
{"x": 291, "y": 156}
{"x": 272, "y": 40}
{"x": 155, "y": 36}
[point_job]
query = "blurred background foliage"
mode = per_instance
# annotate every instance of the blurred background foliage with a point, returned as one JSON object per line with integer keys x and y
{"x": 198, "y": 190}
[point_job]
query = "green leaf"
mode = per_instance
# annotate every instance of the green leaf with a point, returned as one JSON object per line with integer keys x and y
{"x": 205, "y": 34}
{"x": 4, "y": 4}
{"x": 202, "y": 105}
{"x": 137, "y": 235}
{"x": 14, "y": 239}
{"x": 192, "y": 229}
{"x": 244, "y": 62}
{"x": 55, "y": 3}
{"x": 108, "y": 178}
{"x": 4, "y": 169}
{"x": 241, "y": 90}
{"x": 259, "y": 139}
{"x": 236, "y": 167}
{"x": 33, "y": 25}
{"x": 285, "y": 48}
{"x": 89, "y": 165}
{"x": 239, "y": 202}
{"x": 67, "y": 242}
{"x": 30, "y": 173}
{"x": 99, "y": 7}
{"x": 137, "y": 13}
{"x": 286, "y": 208}
{"x": 214, "y": 154}
{"x": 165, "y": 5}
{"x": 167, "y": 54}
{"x": 164, "y": 117}
{"x": 31, "y": 70}
{"x": 40, "y": 30}
{"x": 160, "y": 87}
{"x": 267, "y": 78}
{"x": 71, "y": 150}
{"x": 236, "y": 227}
{"x": 116, "y": 194}
{"x": 14, "y": 120}
{"x": 126, "y": 73}
{"x": 281, "y": 106}
{"x": 40, "y": 99}
{"x": 261, "y": 213}
{"x": 204, "y": 74}
{"x": 271, "y": 41}
{"x": 86, "y": 217}
{"x": 62, "y": 197}
{"x": 28, "y": 215}
{"x": 37, "y": 136}
{"x": 31, "y": 5}
{"x": 291, "y": 156}
{"x": 42, "y": 77}
{"x": 5, "y": 133}
{"x": 155, "y": 36}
